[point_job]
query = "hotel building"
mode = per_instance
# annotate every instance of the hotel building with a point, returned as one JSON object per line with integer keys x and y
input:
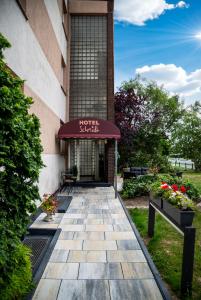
{"x": 63, "y": 49}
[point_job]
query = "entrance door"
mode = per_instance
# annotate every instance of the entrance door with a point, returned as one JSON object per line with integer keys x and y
{"x": 87, "y": 160}
{"x": 92, "y": 156}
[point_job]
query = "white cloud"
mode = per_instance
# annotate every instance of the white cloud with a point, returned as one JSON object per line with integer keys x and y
{"x": 175, "y": 79}
{"x": 139, "y": 11}
{"x": 182, "y": 4}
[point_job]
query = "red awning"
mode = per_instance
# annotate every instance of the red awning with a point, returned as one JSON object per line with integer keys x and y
{"x": 89, "y": 128}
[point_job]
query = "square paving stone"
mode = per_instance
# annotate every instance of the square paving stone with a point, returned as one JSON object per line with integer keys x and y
{"x": 126, "y": 235}
{"x": 122, "y": 227}
{"x": 94, "y": 216}
{"x": 47, "y": 289}
{"x": 100, "y": 271}
{"x": 119, "y": 216}
{"x": 134, "y": 290}
{"x": 89, "y": 235}
{"x": 108, "y": 221}
{"x": 84, "y": 290}
{"x": 59, "y": 255}
{"x": 69, "y": 245}
{"x": 61, "y": 271}
{"x": 66, "y": 235}
{"x": 126, "y": 256}
{"x": 74, "y": 216}
{"x": 72, "y": 227}
{"x": 99, "y": 228}
{"x": 128, "y": 245}
{"x": 67, "y": 222}
{"x": 76, "y": 211}
{"x": 87, "y": 256}
{"x": 136, "y": 271}
{"x": 94, "y": 221}
{"x": 99, "y": 245}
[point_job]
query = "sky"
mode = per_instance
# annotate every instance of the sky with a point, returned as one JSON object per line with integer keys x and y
{"x": 161, "y": 41}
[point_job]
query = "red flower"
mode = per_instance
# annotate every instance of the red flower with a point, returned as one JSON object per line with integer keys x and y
{"x": 175, "y": 187}
{"x": 183, "y": 189}
{"x": 164, "y": 186}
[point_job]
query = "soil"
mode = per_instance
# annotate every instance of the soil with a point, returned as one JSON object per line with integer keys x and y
{"x": 141, "y": 202}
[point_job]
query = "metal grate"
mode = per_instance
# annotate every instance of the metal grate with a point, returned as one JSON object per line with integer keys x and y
{"x": 38, "y": 245}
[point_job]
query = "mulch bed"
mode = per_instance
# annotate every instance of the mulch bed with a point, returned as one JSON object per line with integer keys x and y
{"x": 140, "y": 202}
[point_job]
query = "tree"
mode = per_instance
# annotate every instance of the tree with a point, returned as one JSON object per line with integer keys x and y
{"x": 20, "y": 163}
{"x": 145, "y": 115}
{"x": 186, "y": 138}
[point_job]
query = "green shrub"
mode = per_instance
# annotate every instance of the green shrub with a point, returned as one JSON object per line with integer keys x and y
{"x": 137, "y": 186}
{"x": 192, "y": 191}
{"x": 20, "y": 164}
{"x": 142, "y": 185}
{"x": 20, "y": 279}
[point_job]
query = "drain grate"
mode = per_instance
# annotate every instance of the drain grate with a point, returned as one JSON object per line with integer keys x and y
{"x": 38, "y": 246}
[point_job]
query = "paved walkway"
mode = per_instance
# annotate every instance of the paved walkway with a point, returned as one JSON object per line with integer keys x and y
{"x": 97, "y": 255}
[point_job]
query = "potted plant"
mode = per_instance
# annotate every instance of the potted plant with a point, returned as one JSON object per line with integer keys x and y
{"x": 49, "y": 206}
{"x": 175, "y": 203}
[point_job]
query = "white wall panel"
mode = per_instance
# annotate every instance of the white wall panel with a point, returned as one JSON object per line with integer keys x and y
{"x": 56, "y": 20}
{"x": 27, "y": 59}
{"x": 50, "y": 175}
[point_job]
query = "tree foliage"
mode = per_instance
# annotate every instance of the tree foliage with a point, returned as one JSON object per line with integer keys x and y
{"x": 20, "y": 163}
{"x": 145, "y": 115}
{"x": 186, "y": 138}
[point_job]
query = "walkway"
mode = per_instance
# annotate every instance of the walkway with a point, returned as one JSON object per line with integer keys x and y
{"x": 97, "y": 255}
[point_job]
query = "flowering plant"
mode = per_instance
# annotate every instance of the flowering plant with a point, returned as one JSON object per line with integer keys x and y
{"x": 49, "y": 204}
{"x": 176, "y": 195}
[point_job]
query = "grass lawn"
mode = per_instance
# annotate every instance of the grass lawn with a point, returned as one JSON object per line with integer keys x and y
{"x": 166, "y": 249}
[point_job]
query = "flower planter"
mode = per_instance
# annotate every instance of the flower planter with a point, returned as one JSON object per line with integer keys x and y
{"x": 181, "y": 217}
{"x": 156, "y": 200}
{"x": 48, "y": 217}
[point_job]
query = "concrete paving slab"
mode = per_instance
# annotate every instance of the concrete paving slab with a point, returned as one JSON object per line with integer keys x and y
{"x": 100, "y": 271}
{"x": 61, "y": 271}
{"x": 87, "y": 256}
{"x": 47, "y": 289}
{"x": 84, "y": 289}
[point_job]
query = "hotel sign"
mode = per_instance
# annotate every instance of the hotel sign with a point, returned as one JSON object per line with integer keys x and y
{"x": 89, "y": 126}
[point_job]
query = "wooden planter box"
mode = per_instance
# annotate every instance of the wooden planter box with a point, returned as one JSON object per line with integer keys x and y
{"x": 158, "y": 201}
{"x": 181, "y": 217}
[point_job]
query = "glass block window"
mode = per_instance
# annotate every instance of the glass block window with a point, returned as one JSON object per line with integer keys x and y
{"x": 88, "y": 76}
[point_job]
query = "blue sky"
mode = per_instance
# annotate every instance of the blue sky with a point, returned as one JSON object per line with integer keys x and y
{"x": 160, "y": 43}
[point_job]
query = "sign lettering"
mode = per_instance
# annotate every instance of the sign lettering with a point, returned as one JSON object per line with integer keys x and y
{"x": 89, "y": 126}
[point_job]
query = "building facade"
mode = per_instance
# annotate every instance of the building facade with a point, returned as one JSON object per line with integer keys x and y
{"x": 63, "y": 49}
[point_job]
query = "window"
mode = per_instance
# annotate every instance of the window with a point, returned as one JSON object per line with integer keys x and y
{"x": 63, "y": 75}
{"x": 65, "y": 18}
{"x": 88, "y": 67}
